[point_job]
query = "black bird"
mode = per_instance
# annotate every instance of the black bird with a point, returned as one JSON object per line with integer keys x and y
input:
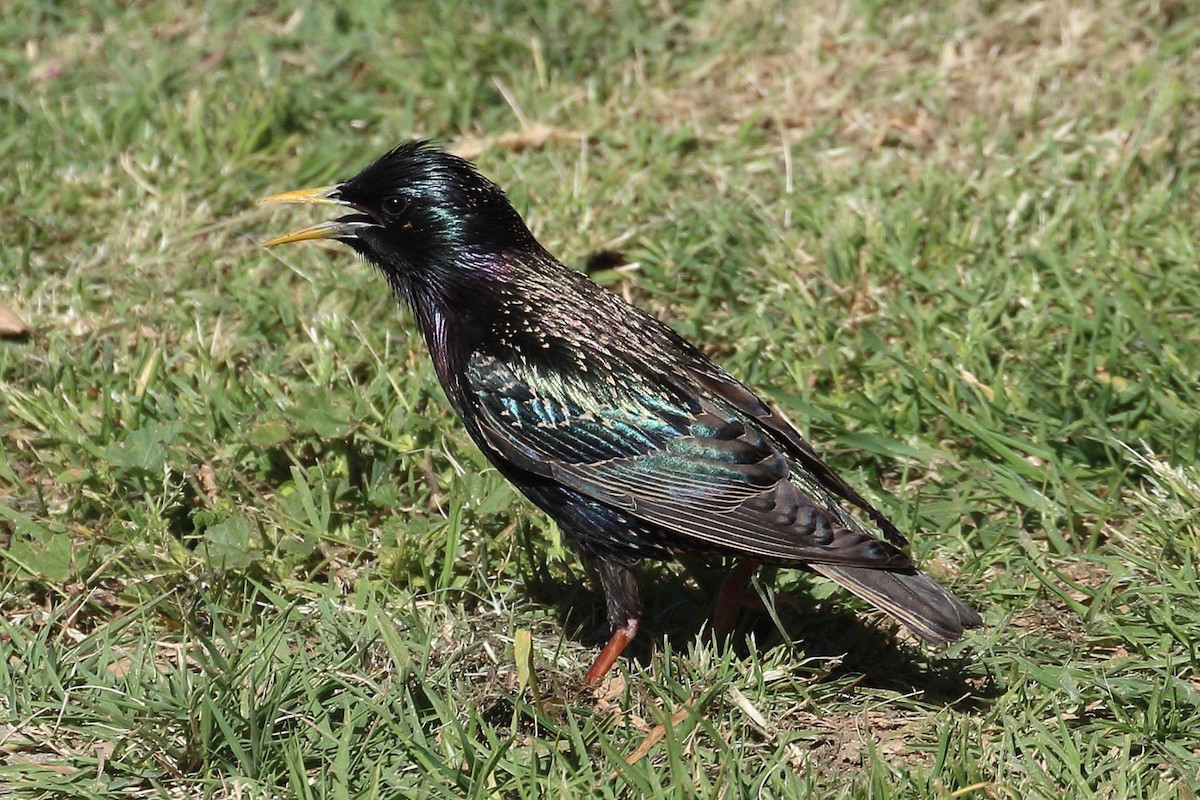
{"x": 625, "y": 433}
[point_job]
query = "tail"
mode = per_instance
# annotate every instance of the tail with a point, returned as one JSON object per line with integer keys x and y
{"x": 920, "y": 602}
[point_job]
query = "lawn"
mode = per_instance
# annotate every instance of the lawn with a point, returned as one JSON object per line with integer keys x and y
{"x": 246, "y": 550}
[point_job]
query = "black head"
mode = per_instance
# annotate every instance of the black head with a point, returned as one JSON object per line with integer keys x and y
{"x": 420, "y": 214}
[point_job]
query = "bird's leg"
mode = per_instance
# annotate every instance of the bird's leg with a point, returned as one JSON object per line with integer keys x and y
{"x": 732, "y": 597}
{"x": 624, "y": 601}
{"x": 621, "y": 637}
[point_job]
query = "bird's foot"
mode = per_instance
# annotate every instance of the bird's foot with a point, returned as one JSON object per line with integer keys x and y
{"x": 620, "y": 638}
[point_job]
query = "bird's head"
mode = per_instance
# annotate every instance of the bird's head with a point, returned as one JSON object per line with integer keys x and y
{"x": 424, "y": 217}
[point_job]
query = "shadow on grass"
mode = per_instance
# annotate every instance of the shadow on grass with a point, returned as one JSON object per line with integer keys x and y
{"x": 679, "y": 602}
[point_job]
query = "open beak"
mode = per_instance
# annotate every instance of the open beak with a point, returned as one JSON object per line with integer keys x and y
{"x": 323, "y": 195}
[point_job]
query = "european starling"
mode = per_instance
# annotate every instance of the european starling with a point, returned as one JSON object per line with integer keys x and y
{"x": 636, "y": 443}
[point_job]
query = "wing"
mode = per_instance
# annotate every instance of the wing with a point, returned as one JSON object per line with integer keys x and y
{"x": 669, "y": 454}
{"x": 745, "y": 401}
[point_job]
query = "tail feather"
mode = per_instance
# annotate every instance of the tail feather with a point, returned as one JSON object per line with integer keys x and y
{"x": 920, "y": 602}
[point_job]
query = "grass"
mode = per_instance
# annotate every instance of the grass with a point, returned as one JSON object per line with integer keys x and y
{"x": 246, "y": 551}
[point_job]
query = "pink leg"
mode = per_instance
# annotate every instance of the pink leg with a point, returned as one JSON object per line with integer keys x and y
{"x": 621, "y": 637}
{"x": 732, "y": 597}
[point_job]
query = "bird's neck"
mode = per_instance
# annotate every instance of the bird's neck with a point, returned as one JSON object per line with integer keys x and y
{"x": 450, "y": 316}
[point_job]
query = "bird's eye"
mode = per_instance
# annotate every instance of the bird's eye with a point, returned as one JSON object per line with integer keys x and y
{"x": 393, "y": 207}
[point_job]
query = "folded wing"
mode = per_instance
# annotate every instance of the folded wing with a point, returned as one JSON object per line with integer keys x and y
{"x": 674, "y": 455}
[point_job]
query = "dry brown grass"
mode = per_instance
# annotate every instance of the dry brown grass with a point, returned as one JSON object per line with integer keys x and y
{"x": 923, "y": 84}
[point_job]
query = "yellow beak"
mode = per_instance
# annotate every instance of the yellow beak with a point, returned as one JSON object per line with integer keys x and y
{"x": 322, "y": 195}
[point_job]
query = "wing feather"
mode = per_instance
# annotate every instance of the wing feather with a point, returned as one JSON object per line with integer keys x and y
{"x": 694, "y": 465}
{"x": 744, "y": 400}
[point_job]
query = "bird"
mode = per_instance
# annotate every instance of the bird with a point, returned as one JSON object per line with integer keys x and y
{"x": 637, "y": 444}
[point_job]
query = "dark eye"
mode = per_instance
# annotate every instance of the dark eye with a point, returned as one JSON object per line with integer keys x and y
{"x": 393, "y": 207}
